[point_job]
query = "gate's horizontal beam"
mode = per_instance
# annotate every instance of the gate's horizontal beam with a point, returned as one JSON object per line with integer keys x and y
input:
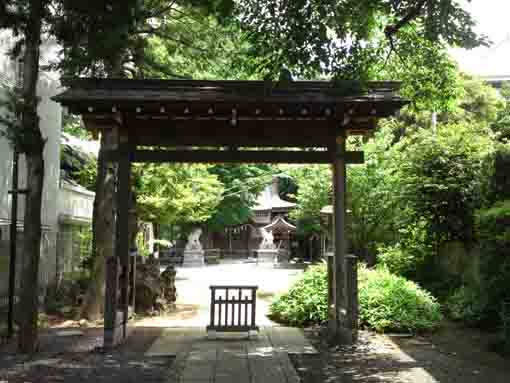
{"x": 235, "y": 156}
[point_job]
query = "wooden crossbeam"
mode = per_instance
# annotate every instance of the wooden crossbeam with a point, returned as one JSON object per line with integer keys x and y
{"x": 235, "y": 156}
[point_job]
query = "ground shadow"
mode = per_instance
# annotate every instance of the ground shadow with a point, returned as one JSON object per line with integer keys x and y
{"x": 81, "y": 359}
{"x": 381, "y": 359}
{"x": 86, "y": 368}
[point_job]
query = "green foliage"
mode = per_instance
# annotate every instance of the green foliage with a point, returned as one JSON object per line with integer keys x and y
{"x": 392, "y": 303}
{"x": 440, "y": 179}
{"x": 87, "y": 175}
{"x": 371, "y": 196}
{"x": 242, "y": 183}
{"x": 480, "y": 103}
{"x": 467, "y": 304}
{"x": 24, "y": 138}
{"x": 137, "y": 38}
{"x": 354, "y": 40}
{"x": 314, "y": 191}
{"x": 72, "y": 125}
{"x": 177, "y": 193}
{"x": 496, "y": 175}
{"x": 387, "y": 302}
{"x": 483, "y": 305}
{"x": 407, "y": 256}
{"x": 430, "y": 79}
{"x": 306, "y": 300}
{"x": 494, "y": 233}
{"x": 501, "y": 126}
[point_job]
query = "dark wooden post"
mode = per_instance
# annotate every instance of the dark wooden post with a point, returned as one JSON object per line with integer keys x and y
{"x": 122, "y": 221}
{"x": 111, "y": 292}
{"x": 351, "y": 288}
{"x": 331, "y": 290}
{"x": 337, "y": 322}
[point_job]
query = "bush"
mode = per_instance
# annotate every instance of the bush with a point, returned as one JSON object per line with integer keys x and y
{"x": 392, "y": 303}
{"x": 494, "y": 232}
{"x": 466, "y": 304}
{"x": 306, "y": 301}
{"x": 387, "y": 302}
{"x": 407, "y": 257}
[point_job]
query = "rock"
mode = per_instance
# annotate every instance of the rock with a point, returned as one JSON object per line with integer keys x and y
{"x": 155, "y": 292}
{"x": 148, "y": 285}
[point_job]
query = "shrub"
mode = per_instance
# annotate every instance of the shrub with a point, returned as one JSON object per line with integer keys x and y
{"x": 466, "y": 304}
{"x": 494, "y": 233}
{"x": 407, "y": 257}
{"x": 392, "y": 303}
{"x": 387, "y": 302}
{"x": 306, "y": 301}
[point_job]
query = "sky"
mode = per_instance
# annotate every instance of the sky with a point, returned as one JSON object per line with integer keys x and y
{"x": 494, "y": 21}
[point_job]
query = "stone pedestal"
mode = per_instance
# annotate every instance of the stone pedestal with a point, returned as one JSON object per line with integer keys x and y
{"x": 267, "y": 256}
{"x": 193, "y": 258}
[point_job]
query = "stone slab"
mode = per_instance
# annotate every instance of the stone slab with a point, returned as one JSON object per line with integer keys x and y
{"x": 176, "y": 340}
{"x": 193, "y": 258}
{"x": 290, "y": 340}
{"x": 267, "y": 256}
{"x": 66, "y": 333}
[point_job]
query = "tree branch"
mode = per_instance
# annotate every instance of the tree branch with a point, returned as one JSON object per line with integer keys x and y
{"x": 165, "y": 36}
{"x": 390, "y": 30}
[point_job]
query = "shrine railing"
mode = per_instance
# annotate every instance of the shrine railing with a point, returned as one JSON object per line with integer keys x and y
{"x": 233, "y": 308}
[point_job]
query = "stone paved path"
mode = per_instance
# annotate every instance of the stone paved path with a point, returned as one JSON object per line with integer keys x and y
{"x": 262, "y": 359}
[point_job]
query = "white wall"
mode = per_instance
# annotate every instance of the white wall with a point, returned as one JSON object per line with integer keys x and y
{"x": 50, "y": 114}
{"x": 75, "y": 204}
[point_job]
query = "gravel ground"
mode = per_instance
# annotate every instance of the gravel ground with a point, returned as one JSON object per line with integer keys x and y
{"x": 76, "y": 359}
{"x": 380, "y": 359}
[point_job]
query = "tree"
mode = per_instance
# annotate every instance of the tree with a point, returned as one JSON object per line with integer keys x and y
{"x": 25, "y": 19}
{"x": 346, "y": 39}
{"x": 371, "y": 187}
{"x": 113, "y": 39}
{"x": 314, "y": 191}
{"x": 177, "y": 193}
{"x": 242, "y": 185}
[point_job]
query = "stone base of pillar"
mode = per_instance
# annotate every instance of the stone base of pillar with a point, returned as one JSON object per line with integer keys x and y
{"x": 339, "y": 335}
{"x": 193, "y": 258}
{"x": 267, "y": 256}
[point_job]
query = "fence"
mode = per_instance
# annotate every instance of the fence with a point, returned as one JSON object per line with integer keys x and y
{"x": 233, "y": 308}
{"x": 73, "y": 253}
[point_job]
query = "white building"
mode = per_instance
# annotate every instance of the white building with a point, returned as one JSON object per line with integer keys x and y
{"x": 64, "y": 204}
{"x": 50, "y": 123}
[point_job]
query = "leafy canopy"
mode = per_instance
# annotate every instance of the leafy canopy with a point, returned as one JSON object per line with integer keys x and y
{"x": 177, "y": 194}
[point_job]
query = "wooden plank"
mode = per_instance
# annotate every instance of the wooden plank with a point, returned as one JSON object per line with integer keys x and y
{"x": 238, "y": 156}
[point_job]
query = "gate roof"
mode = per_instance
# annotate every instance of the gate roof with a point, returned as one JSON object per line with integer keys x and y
{"x": 231, "y": 113}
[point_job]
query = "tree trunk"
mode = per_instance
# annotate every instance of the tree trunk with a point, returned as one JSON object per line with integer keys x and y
{"x": 32, "y": 145}
{"x": 93, "y": 304}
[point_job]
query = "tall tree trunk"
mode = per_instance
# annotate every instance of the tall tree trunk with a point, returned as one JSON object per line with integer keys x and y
{"x": 93, "y": 303}
{"x": 32, "y": 145}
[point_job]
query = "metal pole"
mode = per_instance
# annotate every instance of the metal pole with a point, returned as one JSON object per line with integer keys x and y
{"x": 13, "y": 236}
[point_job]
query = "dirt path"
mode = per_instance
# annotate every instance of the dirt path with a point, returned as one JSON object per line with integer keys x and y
{"x": 456, "y": 357}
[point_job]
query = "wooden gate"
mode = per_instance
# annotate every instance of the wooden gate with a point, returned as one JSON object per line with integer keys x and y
{"x": 233, "y": 308}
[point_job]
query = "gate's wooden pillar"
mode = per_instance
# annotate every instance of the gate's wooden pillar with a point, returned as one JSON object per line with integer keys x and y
{"x": 111, "y": 318}
{"x": 122, "y": 240}
{"x": 337, "y": 320}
